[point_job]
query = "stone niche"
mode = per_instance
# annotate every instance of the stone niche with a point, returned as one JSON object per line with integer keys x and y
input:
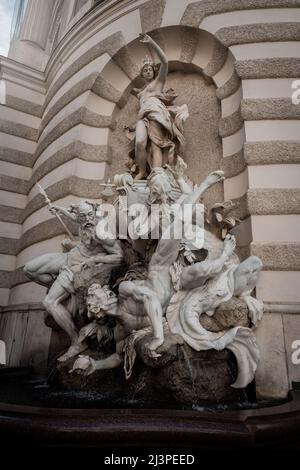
{"x": 203, "y": 145}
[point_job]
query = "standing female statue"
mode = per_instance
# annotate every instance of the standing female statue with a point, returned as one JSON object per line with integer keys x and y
{"x": 159, "y": 129}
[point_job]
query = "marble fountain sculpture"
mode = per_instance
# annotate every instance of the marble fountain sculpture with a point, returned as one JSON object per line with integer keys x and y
{"x": 150, "y": 313}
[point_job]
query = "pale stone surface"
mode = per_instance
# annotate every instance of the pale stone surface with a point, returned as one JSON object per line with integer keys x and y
{"x": 276, "y": 228}
{"x": 267, "y": 88}
{"x": 261, "y": 51}
{"x": 17, "y": 171}
{"x": 11, "y": 199}
{"x": 272, "y": 129}
{"x": 233, "y": 143}
{"x": 17, "y": 143}
{"x": 271, "y": 376}
{"x": 274, "y": 176}
{"x": 8, "y": 229}
{"x": 279, "y": 286}
{"x": 26, "y": 293}
{"x": 236, "y": 186}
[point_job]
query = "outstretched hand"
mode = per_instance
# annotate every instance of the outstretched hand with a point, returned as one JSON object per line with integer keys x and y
{"x": 84, "y": 365}
{"x": 87, "y": 264}
{"x": 53, "y": 209}
{"x": 145, "y": 38}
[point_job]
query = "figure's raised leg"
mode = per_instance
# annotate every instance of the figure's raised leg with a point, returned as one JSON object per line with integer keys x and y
{"x": 45, "y": 268}
{"x": 195, "y": 275}
{"x": 53, "y": 304}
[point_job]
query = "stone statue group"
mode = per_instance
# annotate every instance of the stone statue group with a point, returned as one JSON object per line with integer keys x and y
{"x": 156, "y": 291}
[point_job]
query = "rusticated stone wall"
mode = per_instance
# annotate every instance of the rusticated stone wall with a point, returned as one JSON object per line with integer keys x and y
{"x": 60, "y": 125}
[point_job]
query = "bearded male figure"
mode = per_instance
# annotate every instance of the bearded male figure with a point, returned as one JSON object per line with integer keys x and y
{"x": 58, "y": 269}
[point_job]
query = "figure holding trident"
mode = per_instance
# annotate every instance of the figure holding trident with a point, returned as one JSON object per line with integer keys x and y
{"x": 55, "y": 211}
{"x": 57, "y": 269}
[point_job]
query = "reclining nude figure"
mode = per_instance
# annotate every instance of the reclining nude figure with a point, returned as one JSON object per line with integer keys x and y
{"x": 57, "y": 269}
{"x": 143, "y": 303}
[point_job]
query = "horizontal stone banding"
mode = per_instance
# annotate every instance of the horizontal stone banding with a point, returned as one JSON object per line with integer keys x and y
{"x": 6, "y": 278}
{"x": 273, "y": 201}
{"x": 278, "y": 256}
{"x": 8, "y": 246}
{"x": 104, "y": 89}
{"x": 197, "y": 11}
{"x": 16, "y": 156}
{"x": 11, "y": 214}
{"x": 80, "y": 116}
{"x": 76, "y": 90}
{"x": 18, "y": 278}
{"x": 77, "y": 149}
{"x": 72, "y": 185}
{"x": 260, "y": 32}
{"x": 272, "y": 152}
{"x": 111, "y": 45}
{"x": 269, "y": 108}
{"x": 19, "y": 130}
{"x": 25, "y": 106}
{"x": 284, "y": 67}
{"x": 43, "y": 231}
{"x": 15, "y": 185}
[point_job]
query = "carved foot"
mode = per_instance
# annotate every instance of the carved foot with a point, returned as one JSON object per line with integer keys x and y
{"x": 214, "y": 177}
{"x": 229, "y": 245}
{"x": 73, "y": 350}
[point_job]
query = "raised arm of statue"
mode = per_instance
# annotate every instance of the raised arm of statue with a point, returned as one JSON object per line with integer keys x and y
{"x": 63, "y": 211}
{"x": 160, "y": 80}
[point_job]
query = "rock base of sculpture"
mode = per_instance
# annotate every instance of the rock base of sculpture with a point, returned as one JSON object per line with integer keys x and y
{"x": 180, "y": 376}
{"x": 194, "y": 378}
